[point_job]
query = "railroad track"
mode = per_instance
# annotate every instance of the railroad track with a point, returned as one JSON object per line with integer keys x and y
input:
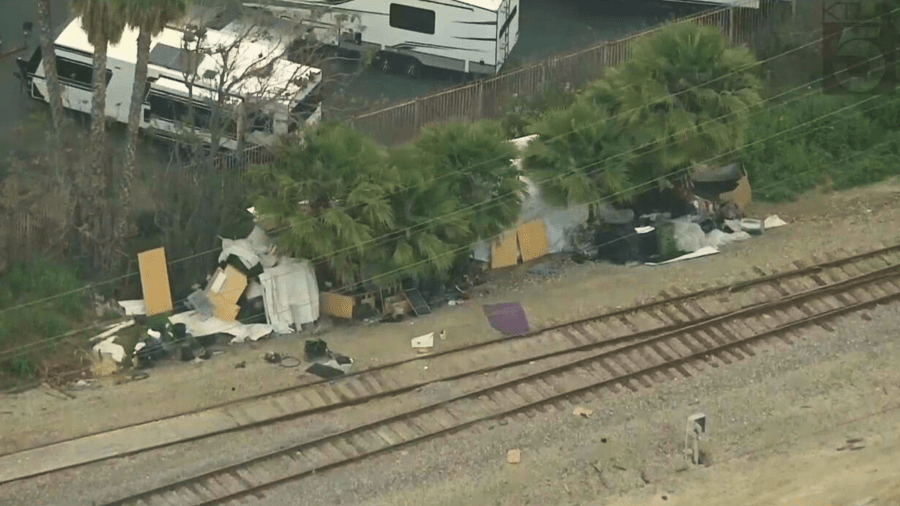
{"x": 669, "y": 313}
{"x": 631, "y": 361}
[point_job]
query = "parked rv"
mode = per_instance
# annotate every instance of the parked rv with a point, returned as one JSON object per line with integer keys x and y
{"x": 265, "y": 94}
{"x": 469, "y": 36}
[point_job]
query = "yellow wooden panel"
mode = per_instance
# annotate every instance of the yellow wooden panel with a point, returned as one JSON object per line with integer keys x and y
{"x": 505, "y": 251}
{"x": 155, "y": 281}
{"x": 533, "y": 239}
{"x": 336, "y": 305}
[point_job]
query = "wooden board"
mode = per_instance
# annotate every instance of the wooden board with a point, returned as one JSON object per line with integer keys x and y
{"x": 505, "y": 251}
{"x": 336, "y": 305}
{"x": 533, "y": 239}
{"x": 155, "y": 281}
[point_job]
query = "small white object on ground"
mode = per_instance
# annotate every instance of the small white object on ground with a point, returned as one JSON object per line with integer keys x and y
{"x": 774, "y": 222}
{"x": 426, "y": 341}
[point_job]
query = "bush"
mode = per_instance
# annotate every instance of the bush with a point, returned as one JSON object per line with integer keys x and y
{"x": 850, "y": 148}
{"x": 31, "y": 282}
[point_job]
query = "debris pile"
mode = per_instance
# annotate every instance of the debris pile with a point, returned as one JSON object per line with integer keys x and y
{"x": 694, "y": 216}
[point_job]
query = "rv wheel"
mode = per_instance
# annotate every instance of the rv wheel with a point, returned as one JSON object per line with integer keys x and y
{"x": 385, "y": 64}
{"x": 413, "y": 69}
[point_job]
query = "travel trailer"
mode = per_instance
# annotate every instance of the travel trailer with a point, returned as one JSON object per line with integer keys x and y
{"x": 265, "y": 95}
{"x": 470, "y": 36}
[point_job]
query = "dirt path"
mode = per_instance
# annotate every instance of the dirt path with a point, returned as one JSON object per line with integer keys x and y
{"x": 821, "y": 223}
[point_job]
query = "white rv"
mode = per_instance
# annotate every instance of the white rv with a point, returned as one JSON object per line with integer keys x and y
{"x": 267, "y": 95}
{"x": 471, "y": 36}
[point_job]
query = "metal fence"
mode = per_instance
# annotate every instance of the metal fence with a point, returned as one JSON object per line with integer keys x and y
{"x": 487, "y": 98}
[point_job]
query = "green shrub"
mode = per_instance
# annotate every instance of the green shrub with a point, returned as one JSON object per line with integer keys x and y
{"x": 26, "y": 318}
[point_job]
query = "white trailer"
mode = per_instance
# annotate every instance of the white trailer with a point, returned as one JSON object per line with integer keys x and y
{"x": 470, "y": 36}
{"x": 265, "y": 94}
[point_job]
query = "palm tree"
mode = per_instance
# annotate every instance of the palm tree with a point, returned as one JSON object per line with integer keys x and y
{"x": 682, "y": 98}
{"x": 54, "y": 90}
{"x": 104, "y": 22}
{"x": 150, "y": 17}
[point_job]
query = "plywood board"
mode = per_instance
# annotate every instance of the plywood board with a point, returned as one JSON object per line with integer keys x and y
{"x": 155, "y": 281}
{"x": 533, "y": 239}
{"x": 336, "y": 305}
{"x": 226, "y": 312}
{"x": 505, "y": 251}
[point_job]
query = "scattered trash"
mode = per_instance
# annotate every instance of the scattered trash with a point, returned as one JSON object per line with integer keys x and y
{"x": 702, "y": 252}
{"x": 112, "y": 329}
{"x": 133, "y": 307}
{"x": 514, "y": 456}
{"x": 290, "y": 295}
{"x": 852, "y": 444}
{"x": 508, "y": 318}
{"x": 456, "y": 302}
{"x": 325, "y": 371}
{"x": 149, "y": 350}
{"x": 223, "y": 292}
{"x": 83, "y": 384}
{"x": 254, "y": 250}
{"x": 752, "y": 227}
{"x": 154, "y": 333}
{"x": 422, "y": 342}
{"x": 443, "y": 335}
{"x": 315, "y": 349}
{"x": 109, "y": 348}
{"x": 253, "y": 332}
{"x": 240, "y": 365}
{"x": 579, "y": 411}
{"x": 773, "y": 222}
{"x": 272, "y": 357}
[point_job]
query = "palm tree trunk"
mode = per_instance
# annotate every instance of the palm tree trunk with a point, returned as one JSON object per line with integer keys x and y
{"x": 97, "y": 177}
{"x": 134, "y": 123}
{"x": 54, "y": 91}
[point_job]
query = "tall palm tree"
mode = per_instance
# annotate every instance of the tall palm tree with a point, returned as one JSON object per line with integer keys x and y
{"x": 54, "y": 90}
{"x": 150, "y": 17}
{"x": 104, "y": 22}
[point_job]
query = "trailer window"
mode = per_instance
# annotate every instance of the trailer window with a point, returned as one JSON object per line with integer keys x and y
{"x": 177, "y": 110}
{"x": 77, "y": 74}
{"x": 413, "y": 19}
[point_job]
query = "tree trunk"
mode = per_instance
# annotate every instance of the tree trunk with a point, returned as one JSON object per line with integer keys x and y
{"x": 97, "y": 177}
{"x": 54, "y": 91}
{"x": 134, "y": 123}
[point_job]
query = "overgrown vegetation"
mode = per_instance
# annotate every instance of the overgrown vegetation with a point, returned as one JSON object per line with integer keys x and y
{"x": 853, "y": 147}
{"x": 404, "y": 212}
{"x": 29, "y": 332}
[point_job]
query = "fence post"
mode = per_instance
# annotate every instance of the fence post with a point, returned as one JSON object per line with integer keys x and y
{"x": 416, "y": 125}
{"x": 731, "y": 25}
{"x": 479, "y": 111}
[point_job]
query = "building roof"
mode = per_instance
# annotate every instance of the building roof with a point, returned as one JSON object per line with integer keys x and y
{"x": 247, "y": 61}
{"x": 489, "y": 5}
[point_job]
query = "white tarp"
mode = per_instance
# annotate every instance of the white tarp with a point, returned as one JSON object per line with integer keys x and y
{"x": 560, "y": 222}
{"x": 290, "y": 294}
{"x": 256, "y": 248}
{"x": 109, "y": 347}
{"x": 133, "y": 307}
{"x": 196, "y": 325}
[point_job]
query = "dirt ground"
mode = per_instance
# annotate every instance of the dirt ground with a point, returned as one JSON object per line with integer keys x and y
{"x": 821, "y": 223}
